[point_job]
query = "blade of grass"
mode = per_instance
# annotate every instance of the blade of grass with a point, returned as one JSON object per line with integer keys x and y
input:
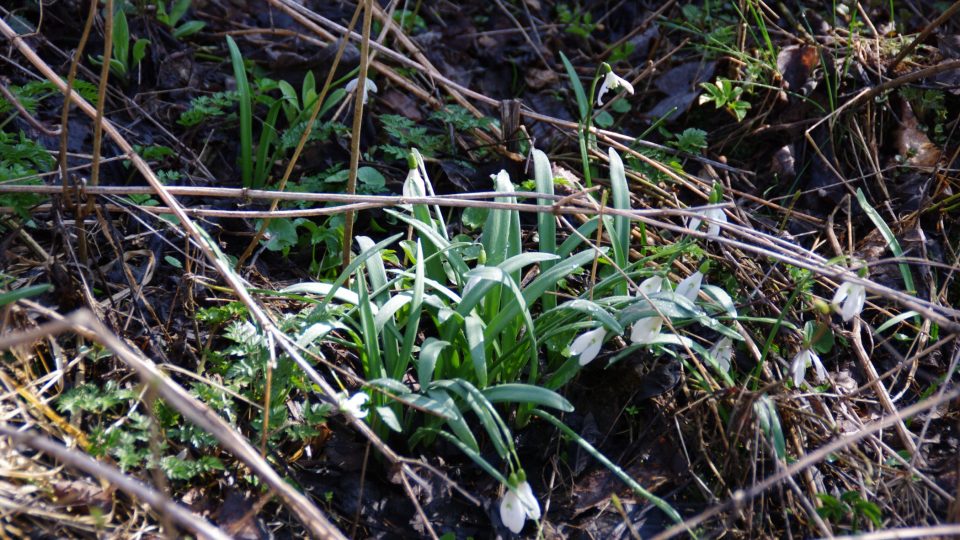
{"x": 889, "y": 237}
{"x": 246, "y": 114}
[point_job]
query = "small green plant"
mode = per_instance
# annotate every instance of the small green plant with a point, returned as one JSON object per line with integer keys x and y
{"x": 578, "y": 22}
{"x": 850, "y": 508}
{"x": 117, "y": 429}
{"x": 21, "y": 160}
{"x": 410, "y": 22}
{"x": 203, "y": 108}
{"x": 405, "y": 133}
{"x": 691, "y": 141}
{"x": 724, "y": 94}
{"x": 125, "y": 59}
{"x": 171, "y": 18}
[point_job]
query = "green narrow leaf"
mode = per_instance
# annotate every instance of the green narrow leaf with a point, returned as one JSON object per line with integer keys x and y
{"x": 355, "y": 263}
{"x": 583, "y": 104}
{"x": 10, "y": 297}
{"x": 188, "y": 29}
{"x": 427, "y": 361}
{"x": 413, "y": 319}
{"x": 121, "y": 39}
{"x": 546, "y": 222}
{"x": 474, "y": 332}
{"x": 621, "y": 201}
{"x": 267, "y": 136}
{"x": 890, "y": 238}
{"x": 527, "y": 394}
{"x": 246, "y": 114}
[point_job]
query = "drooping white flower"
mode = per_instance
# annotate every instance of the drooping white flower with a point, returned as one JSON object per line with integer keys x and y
{"x": 722, "y": 352}
{"x": 368, "y": 86}
{"x": 414, "y": 186}
{"x": 798, "y": 367}
{"x": 714, "y": 217}
{"x": 646, "y": 330}
{"x": 650, "y": 285}
{"x": 689, "y": 288}
{"x": 611, "y": 82}
{"x": 587, "y": 345}
{"x": 517, "y": 506}
{"x": 353, "y": 405}
{"x": 849, "y": 300}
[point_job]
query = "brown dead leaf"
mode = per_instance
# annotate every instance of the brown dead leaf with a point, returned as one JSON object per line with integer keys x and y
{"x": 912, "y": 143}
{"x": 82, "y": 494}
{"x": 795, "y": 64}
{"x": 402, "y": 104}
{"x": 538, "y": 79}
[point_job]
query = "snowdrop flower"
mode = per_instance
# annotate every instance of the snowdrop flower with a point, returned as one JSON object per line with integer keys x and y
{"x": 715, "y": 217}
{"x": 611, "y": 82}
{"x": 414, "y": 186}
{"x": 353, "y": 405}
{"x": 368, "y": 86}
{"x": 650, "y": 285}
{"x": 588, "y": 344}
{"x": 517, "y": 506}
{"x": 849, "y": 300}
{"x": 690, "y": 287}
{"x": 722, "y": 352}
{"x": 798, "y": 367}
{"x": 646, "y": 330}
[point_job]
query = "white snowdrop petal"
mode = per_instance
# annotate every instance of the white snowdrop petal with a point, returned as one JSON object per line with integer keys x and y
{"x": 651, "y": 285}
{"x": 646, "y": 330}
{"x": 511, "y": 512}
{"x": 689, "y": 288}
{"x": 588, "y": 345}
{"x": 530, "y": 504}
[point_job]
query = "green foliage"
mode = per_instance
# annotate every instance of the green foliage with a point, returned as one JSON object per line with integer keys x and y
{"x": 691, "y": 141}
{"x": 21, "y": 160}
{"x": 410, "y": 22}
{"x": 171, "y": 18}
{"x": 30, "y": 95}
{"x": 724, "y": 94}
{"x": 405, "y": 134}
{"x": 851, "y": 508}
{"x": 177, "y": 468}
{"x": 124, "y": 59}
{"x": 578, "y": 22}
{"x": 245, "y": 101}
{"x": 91, "y": 398}
{"x": 461, "y": 119}
{"x": 202, "y": 108}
